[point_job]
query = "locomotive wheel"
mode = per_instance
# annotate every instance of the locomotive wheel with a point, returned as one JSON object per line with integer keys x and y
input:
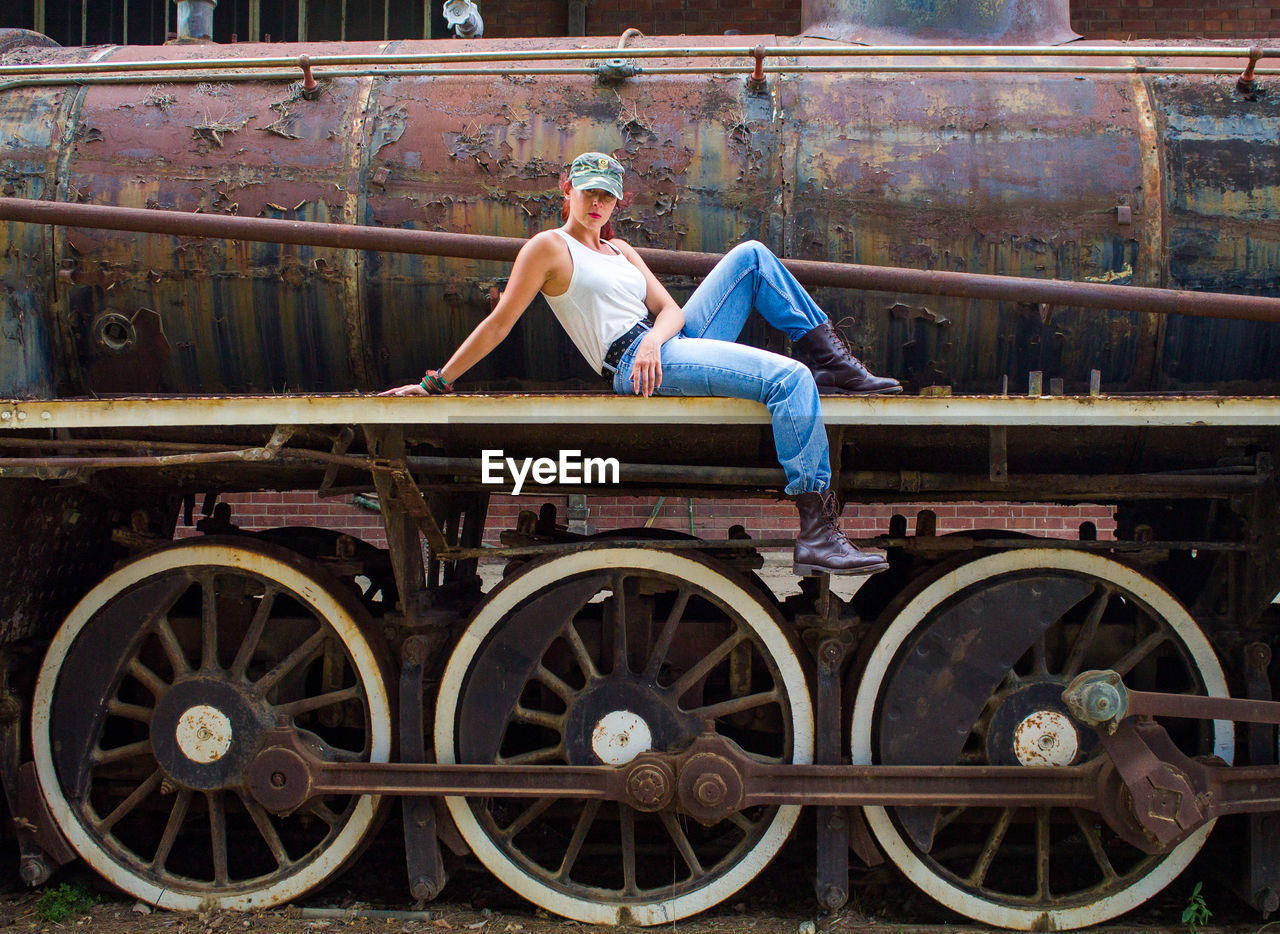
{"x": 970, "y": 671}
{"x": 154, "y": 697}
{"x": 558, "y": 668}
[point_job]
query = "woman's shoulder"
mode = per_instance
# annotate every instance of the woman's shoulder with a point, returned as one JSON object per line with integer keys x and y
{"x": 545, "y": 245}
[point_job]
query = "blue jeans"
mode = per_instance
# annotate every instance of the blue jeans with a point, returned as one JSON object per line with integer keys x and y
{"x": 703, "y": 360}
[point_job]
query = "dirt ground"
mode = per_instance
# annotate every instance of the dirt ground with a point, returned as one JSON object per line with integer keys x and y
{"x": 372, "y": 898}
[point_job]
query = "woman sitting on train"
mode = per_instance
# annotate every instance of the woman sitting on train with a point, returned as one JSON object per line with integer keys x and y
{"x": 631, "y": 330}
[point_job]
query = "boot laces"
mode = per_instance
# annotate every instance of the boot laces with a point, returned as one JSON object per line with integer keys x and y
{"x": 842, "y": 342}
{"x": 831, "y": 516}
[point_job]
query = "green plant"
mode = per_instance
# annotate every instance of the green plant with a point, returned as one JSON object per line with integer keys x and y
{"x": 64, "y": 901}
{"x": 1197, "y": 912}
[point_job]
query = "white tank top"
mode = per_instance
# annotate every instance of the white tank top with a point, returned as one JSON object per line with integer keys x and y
{"x": 605, "y": 299}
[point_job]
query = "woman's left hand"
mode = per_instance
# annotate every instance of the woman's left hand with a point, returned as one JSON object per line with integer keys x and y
{"x": 646, "y": 369}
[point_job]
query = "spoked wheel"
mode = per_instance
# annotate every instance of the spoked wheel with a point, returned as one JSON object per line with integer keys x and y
{"x": 593, "y": 658}
{"x": 970, "y": 671}
{"x": 154, "y": 697}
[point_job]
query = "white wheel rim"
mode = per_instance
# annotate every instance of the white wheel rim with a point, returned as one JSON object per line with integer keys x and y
{"x": 506, "y": 598}
{"x": 253, "y": 559}
{"x": 1161, "y": 602}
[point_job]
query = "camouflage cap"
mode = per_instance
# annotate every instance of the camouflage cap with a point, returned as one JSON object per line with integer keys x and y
{"x": 596, "y": 170}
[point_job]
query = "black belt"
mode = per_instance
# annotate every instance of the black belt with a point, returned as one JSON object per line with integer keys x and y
{"x": 619, "y": 347}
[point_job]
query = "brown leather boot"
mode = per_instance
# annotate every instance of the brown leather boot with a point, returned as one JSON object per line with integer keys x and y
{"x": 821, "y": 546}
{"x": 835, "y": 369}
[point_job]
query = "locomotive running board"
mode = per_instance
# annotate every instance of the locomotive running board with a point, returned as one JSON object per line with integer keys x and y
{"x": 607, "y": 409}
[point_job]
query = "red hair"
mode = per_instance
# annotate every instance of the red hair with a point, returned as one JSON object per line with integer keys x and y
{"x": 606, "y": 232}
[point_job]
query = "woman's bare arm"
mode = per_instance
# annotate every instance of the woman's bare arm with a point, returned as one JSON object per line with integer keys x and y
{"x": 535, "y": 265}
{"x": 646, "y": 370}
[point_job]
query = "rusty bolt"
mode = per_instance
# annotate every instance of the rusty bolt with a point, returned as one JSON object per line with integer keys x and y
{"x": 830, "y": 653}
{"x": 278, "y": 780}
{"x": 834, "y": 897}
{"x": 34, "y": 870}
{"x": 648, "y": 787}
{"x": 710, "y": 790}
{"x": 423, "y": 889}
{"x": 1258, "y": 655}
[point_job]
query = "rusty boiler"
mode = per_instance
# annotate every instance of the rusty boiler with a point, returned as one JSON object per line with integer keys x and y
{"x": 1091, "y": 168}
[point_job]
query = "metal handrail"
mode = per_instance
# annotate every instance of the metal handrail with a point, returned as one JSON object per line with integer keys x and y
{"x": 1055, "y": 292}
{"x": 935, "y": 68}
{"x": 522, "y": 55}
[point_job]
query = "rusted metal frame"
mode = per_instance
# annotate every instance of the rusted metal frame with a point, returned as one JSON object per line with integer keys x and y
{"x": 1260, "y": 576}
{"x": 402, "y": 521}
{"x": 522, "y": 55}
{"x": 340, "y": 445}
{"x": 286, "y": 774}
{"x": 1259, "y": 883}
{"x": 862, "y": 493}
{"x": 113, "y": 444}
{"x": 928, "y": 545}
{"x": 1196, "y": 707}
{"x": 1171, "y": 795}
{"x": 811, "y": 273}
{"x": 427, "y": 874}
{"x": 1101, "y": 699}
{"x": 413, "y": 503}
{"x": 41, "y": 846}
{"x": 1208, "y": 482}
{"x": 273, "y": 452}
{"x": 1151, "y": 793}
{"x": 998, "y": 454}
{"x": 831, "y": 871}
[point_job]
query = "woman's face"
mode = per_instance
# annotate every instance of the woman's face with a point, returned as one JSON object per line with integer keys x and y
{"x": 591, "y": 208}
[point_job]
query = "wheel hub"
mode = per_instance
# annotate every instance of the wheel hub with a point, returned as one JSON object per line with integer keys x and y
{"x": 620, "y": 736}
{"x": 620, "y": 719}
{"x": 1031, "y": 726}
{"x": 205, "y": 732}
{"x": 1045, "y": 737}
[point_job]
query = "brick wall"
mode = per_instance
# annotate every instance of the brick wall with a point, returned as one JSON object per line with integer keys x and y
{"x": 1093, "y": 19}
{"x": 1176, "y": 19}
{"x": 652, "y": 17}
{"x": 712, "y": 518}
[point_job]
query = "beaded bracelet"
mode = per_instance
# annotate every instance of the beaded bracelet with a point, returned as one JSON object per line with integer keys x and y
{"x": 434, "y": 384}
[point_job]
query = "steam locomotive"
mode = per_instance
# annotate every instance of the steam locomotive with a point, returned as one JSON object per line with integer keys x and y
{"x": 1068, "y": 251}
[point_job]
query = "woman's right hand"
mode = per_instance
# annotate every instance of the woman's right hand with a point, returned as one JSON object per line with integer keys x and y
{"x": 413, "y": 389}
{"x": 646, "y": 368}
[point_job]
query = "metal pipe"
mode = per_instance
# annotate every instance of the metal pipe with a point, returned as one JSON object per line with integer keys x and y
{"x": 955, "y": 543}
{"x": 521, "y": 55}
{"x": 673, "y": 262}
{"x": 772, "y": 477}
{"x": 290, "y": 76}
